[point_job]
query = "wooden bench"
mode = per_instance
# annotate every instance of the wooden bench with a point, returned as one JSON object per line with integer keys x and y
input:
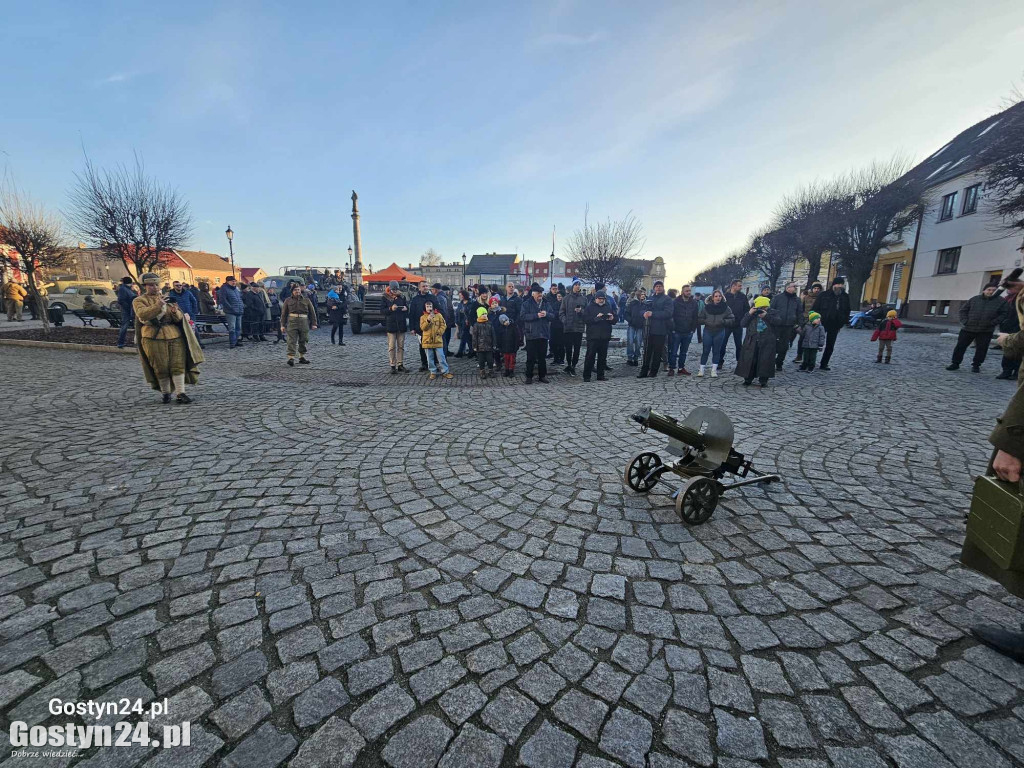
{"x": 88, "y": 315}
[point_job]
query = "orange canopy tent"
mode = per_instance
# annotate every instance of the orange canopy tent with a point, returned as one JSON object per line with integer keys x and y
{"x": 394, "y": 272}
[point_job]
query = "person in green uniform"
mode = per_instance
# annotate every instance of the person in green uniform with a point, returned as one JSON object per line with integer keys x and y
{"x": 298, "y": 318}
{"x": 169, "y": 350}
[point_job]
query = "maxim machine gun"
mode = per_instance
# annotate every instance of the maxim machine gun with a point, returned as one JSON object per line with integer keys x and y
{"x": 702, "y": 445}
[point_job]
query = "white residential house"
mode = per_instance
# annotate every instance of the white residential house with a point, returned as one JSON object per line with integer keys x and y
{"x": 960, "y": 246}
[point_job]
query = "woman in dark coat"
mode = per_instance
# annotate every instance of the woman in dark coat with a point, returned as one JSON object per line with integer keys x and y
{"x": 757, "y": 358}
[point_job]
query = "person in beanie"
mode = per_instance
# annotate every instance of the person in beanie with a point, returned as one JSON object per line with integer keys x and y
{"x": 168, "y": 348}
{"x": 834, "y": 307}
{"x": 740, "y": 306}
{"x": 510, "y": 343}
{"x": 685, "y": 320}
{"x": 432, "y": 328}
{"x": 483, "y": 338}
{"x": 553, "y": 303}
{"x": 537, "y": 331}
{"x": 395, "y": 311}
{"x": 336, "y": 316}
{"x": 757, "y": 358}
{"x": 807, "y": 299}
{"x": 633, "y": 314}
{"x": 978, "y": 319}
{"x": 599, "y": 318}
{"x": 298, "y": 318}
{"x": 494, "y": 312}
{"x": 570, "y": 312}
{"x": 812, "y": 339}
{"x": 658, "y": 318}
{"x": 788, "y": 309}
{"x": 885, "y": 335}
{"x": 231, "y": 302}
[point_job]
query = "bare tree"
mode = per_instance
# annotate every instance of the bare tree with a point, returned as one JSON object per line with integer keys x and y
{"x": 769, "y": 253}
{"x": 35, "y": 237}
{"x": 722, "y": 273}
{"x": 629, "y": 278}
{"x": 129, "y": 216}
{"x": 430, "y": 259}
{"x": 876, "y": 205}
{"x": 599, "y": 249}
{"x": 807, "y": 218}
{"x": 1004, "y": 176}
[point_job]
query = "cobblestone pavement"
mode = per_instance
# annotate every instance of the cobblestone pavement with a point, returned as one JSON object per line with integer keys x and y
{"x": 333, "y": 565}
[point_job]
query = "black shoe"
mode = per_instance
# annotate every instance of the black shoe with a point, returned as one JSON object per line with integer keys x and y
{"x": 423, "y": 368}
{"x": 1000, "y": 376}
{"x": 167, "y": 397}
{"x": 184, "y": 399}
{"x": 460, "y": 355}
{"x": 586, "y": 379}
{"x": 394, "y": 369}
{"x": 952, "y": 367}
{"x": 291, "y": 362}
{"x": 601, "y": 378}
{"x": 1005, "y": 641}
{"x": 341, "y": 343}
{"x": 572, "y": 371}
{"x": 239, "y": 344}
{"x": 975, "y": 369}
{"x": 608, "y": 368}
{"x": 263, "y": 338}
{"x": 542, "y": 380}
{"x": 642, "y": 375}
{"x": 303, "y": 361}
{"x": 747, "y": 382}
{"x": 778, "y": 367}
{"x": 402, "y": 369}
{"x": 824, "y": 368}
{"x": 277, "y": 341}
{"x": 529, "y": 380}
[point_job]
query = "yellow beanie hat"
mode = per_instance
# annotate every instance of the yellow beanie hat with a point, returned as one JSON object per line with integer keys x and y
{"x": 762, "y": 301}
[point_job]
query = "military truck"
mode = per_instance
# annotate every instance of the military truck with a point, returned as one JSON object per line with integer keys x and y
{"x": 370, "y": 309}
{"x": 302, "y": 275}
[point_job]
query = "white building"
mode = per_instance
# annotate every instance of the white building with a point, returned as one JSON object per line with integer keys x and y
{"x": 960, "y": 245}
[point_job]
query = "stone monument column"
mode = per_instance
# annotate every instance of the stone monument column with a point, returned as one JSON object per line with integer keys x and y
{"x": 357, "y": 266}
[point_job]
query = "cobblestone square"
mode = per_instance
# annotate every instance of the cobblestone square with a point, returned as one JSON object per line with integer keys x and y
{"x": 334, "y": 566}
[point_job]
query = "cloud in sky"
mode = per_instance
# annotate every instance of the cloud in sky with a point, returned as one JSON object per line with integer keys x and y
{"x": 563, "y": 38}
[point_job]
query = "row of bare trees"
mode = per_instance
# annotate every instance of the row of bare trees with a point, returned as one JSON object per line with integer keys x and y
{"x": 859, "y": 214}
{"x": 125, "y": 213}
{"x": 852, "y": 216}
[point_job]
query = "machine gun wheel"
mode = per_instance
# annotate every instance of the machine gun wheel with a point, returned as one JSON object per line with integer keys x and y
{"x": 696, "y": 501}
{"x": 638, "y": 472}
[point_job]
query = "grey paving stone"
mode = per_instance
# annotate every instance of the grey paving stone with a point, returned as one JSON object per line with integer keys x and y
{"x": 291, "y": 680}
{"x": 474, "y": 748}
{"x": 740, "y": 737}
{"x": 688, "y": 737}
{"x": 462, "y": 702}
{"x": 549, "y": 747}
{"x": 266, "y": 748}
{"x": 584, "y": 714}
{"x": 606, "y": 682}
{"x": 541, "y": 683}
{"x": 239, "y": 673}
{"x": 382, "y": 711}
{"x": 959, "y": 743}
{"x": 898, "y": 689}
{"x": 372, "y": 673}
{"x": 240, "y": 714}
{"x": 648, "y": 695}
{"x": 435, "y": 680}
{"x": 319, "y": 702}
{"x": 508, "y": 713}
{"x": 729, "y": 690}
{"x": 871, "y": 708}
{"x": 786, "y": 724}
{"x": 627, "y": 737}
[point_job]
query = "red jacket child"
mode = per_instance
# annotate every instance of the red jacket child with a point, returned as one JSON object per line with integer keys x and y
{"x": 885, "y": 335}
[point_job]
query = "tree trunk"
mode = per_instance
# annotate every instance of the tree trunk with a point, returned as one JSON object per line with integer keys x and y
{"x": 813, "y": 269}
{"x": 37, "y": 302}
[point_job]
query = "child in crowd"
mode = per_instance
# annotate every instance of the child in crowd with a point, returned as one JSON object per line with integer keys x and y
{"x": 885, "y": 335}
{"x": 510, "y": 344}
{"x": 497, "y": 331}
{"x": 432, "y": 328}
{"x": 813, "y": 339}
{"x": 483, "y": 342}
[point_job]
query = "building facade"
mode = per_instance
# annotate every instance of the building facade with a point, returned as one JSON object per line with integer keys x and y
{"x": 445, "y": 274}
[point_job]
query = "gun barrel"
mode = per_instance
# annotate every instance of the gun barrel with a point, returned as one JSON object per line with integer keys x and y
{"x": 666, "y": 425}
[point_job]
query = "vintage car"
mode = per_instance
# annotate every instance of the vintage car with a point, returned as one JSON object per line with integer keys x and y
{"x": 72, "y": 295}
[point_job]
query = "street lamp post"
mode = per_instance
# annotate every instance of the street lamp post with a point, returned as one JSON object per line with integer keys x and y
{"x": 231, "y": 247}
{"x": 350, "y": 263}
{"x": 463, "y": 269}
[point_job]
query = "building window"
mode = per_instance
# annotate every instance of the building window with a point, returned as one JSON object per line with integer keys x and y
{"x": 948, "y": 206}
{"x": 931, "y": 308}
{"x": 944, "y": 308}
{"x": 949, "y": 260}
{"x": 970, "y": 199}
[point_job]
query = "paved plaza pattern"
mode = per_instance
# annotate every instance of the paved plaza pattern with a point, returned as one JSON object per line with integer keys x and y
{"x": 334, "y": 566}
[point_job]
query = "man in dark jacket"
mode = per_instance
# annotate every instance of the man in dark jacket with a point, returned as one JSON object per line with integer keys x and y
{"x": 443, "y": 305}
{"x": 658, "y": 314}
{"x": 552, "y": 303}
{"x": 417, "y": 308}
{"x": 834, "y": 307}
{"x": 599, "y": 319}
{"x": 787, "y": 310}
{"x": 684, "y": 322}
{"x": 184, "y": 298}
{"x": 512, "y": 304}
{"x": 537, "y": 331}
{"x": 809, "y": 297}
{"x": 570, "y": 312}
{"x": 125, "y": 297}
{"x": 979, "y": 316}
{"x": 395, "y": 309}
{"x": 231, "y": 302}
{"x": 740, "y": 306}
{"x": 634, "y": 316}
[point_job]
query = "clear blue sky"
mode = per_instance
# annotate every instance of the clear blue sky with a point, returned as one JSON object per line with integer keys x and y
{"x": 469, "y": 126}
